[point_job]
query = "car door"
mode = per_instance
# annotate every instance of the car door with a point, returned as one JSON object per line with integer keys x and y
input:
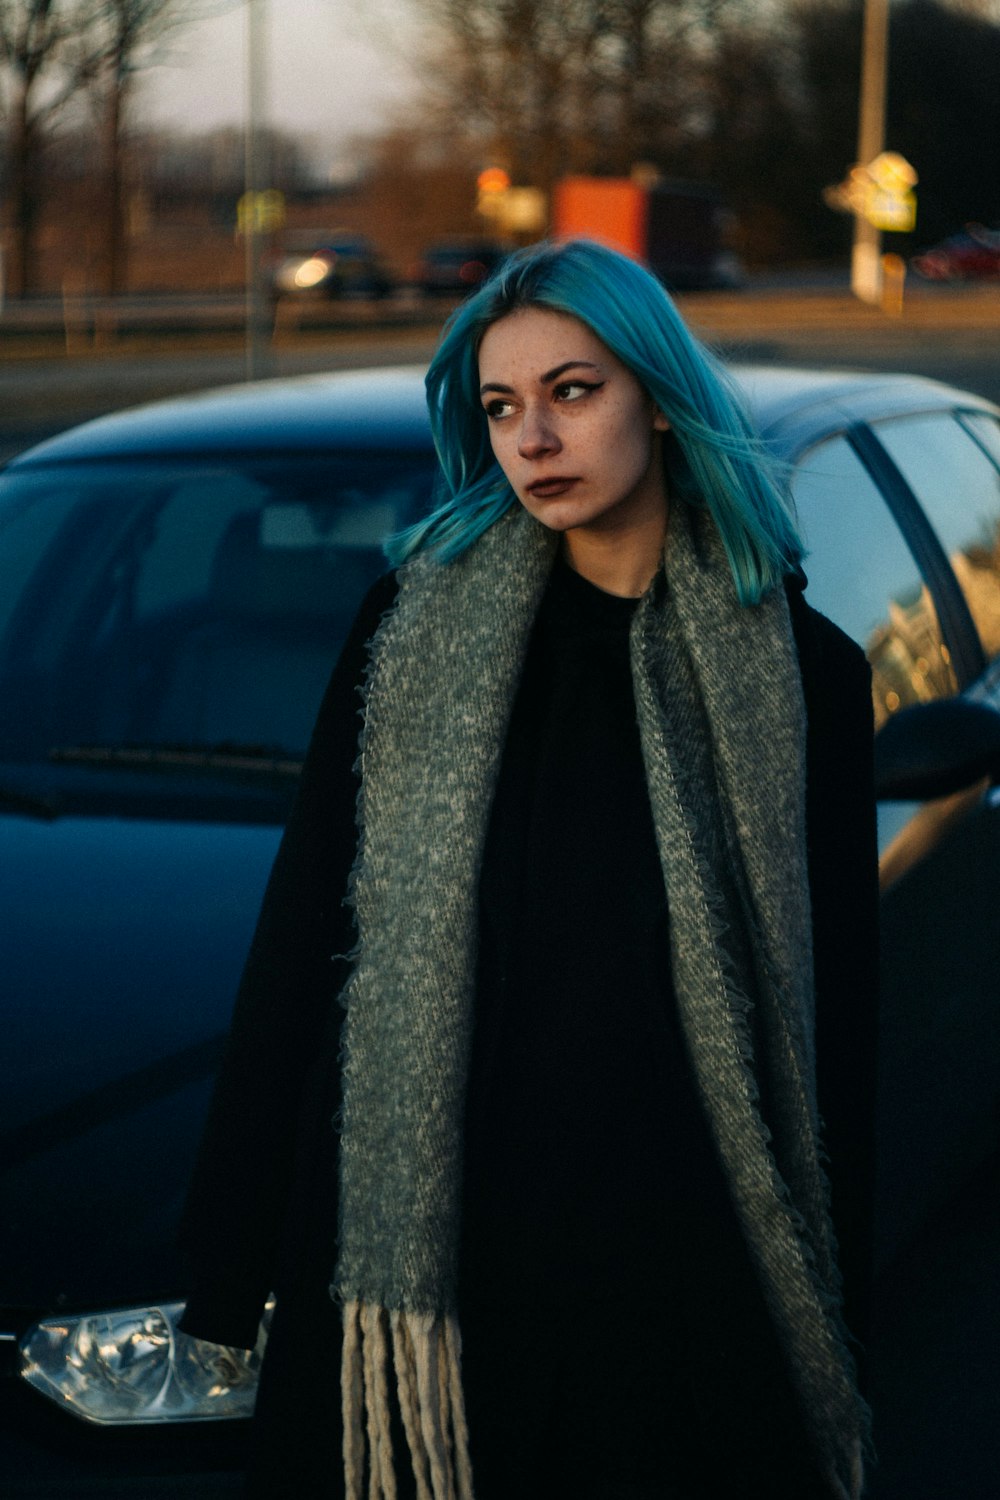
{"x": 902, "y": 519}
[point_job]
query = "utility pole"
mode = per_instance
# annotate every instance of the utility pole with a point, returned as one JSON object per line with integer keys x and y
{"x": 866, "y": 263}
{"x": 255, "y": 183}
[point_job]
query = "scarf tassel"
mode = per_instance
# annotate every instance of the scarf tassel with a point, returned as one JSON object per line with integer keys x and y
{"x": 426, "y": 1361}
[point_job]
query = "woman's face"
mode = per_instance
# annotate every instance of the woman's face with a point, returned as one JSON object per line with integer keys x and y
{"x": 571, "y": 427}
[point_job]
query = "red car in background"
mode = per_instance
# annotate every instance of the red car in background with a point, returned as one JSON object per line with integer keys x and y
{"x": 972, "y": 255}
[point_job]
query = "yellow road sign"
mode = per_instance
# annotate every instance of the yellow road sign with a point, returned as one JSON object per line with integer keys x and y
{"x": 882, "y": 193}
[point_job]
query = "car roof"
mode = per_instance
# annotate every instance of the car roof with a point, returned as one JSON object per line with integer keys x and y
{"x": 794, "y": 409}
{"x": 382, "y": 409}
{"x": 385, "y": 410}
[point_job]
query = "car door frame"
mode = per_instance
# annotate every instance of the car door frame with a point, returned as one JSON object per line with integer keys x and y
{"x": 958, "y": 629}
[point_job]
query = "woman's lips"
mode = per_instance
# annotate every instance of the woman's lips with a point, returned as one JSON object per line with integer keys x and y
{"x": 551, "y": 489}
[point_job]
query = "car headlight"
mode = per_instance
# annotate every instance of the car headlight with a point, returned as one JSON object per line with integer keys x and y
{"x": 312, "y": 271}
{"x": 136, "y": 1366}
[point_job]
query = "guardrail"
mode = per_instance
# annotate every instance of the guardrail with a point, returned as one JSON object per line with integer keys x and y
{"x": 82, "y": 322}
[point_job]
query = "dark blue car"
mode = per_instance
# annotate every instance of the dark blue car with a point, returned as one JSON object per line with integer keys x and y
{"x": 176, "y": 581}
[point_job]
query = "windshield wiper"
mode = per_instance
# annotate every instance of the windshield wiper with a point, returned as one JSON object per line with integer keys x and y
{"x": 29, "y": 803}
{"x": 268, "y": 760}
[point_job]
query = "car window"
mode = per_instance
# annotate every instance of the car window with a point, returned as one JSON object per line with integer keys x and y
{"x": 187, "y": 603}
{"x": 25, "y": 535}
{"x": 947, "y": 466}
{"x": 863, "y": 576}
{"x": 176, "y": 562}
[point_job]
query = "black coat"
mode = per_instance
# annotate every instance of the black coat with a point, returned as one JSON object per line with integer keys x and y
{"x": 261, "y": 1214}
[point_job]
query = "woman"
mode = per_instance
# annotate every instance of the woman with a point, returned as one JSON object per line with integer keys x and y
{"x": 611, "y": 859}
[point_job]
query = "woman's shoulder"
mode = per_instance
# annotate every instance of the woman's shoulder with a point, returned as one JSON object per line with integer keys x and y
{"x": 335, "y": 729}
{"x": 825, "y": 650}
{"x": 379, "y": 599}
{"x": 381, "y": 596}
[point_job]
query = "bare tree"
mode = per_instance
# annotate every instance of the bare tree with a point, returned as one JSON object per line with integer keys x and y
{"x": 551, "y": 86}
{"x": 38, "y": 81}
{"x": 51, "y": 53}
{"x": 120, "y": 38}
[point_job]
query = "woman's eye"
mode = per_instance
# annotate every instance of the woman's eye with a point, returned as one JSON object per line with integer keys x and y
{"x": 497, "y": 409}
{"x": 572, "y": 390}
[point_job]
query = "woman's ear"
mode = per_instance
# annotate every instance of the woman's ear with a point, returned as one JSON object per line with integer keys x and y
{"x": 660, "y": 423}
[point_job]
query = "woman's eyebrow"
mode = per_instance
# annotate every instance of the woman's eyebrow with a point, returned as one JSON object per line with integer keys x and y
{"x": 546, "y": 379}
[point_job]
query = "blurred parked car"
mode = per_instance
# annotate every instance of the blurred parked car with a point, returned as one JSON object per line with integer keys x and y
{"x": 340, "y": 265}
{"x": 455, "y": 267}
{"x": 176, "y": 583}
{"x": 973, "y": 255}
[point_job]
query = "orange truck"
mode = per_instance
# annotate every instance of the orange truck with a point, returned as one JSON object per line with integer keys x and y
{"x": 679, "y": 229}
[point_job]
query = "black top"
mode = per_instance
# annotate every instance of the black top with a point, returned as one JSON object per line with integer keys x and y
{"x": 591, "y": 1185}
{"x": 577, "y": 1053}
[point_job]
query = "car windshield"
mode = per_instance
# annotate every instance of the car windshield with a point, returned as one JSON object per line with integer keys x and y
{"x": 186, "y": 612}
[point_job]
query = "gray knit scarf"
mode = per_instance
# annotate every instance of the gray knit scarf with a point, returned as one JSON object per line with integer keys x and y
{"x": 722, "y": 727}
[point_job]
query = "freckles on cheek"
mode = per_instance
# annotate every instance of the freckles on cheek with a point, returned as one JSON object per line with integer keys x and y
{"x": 499, "y": 455}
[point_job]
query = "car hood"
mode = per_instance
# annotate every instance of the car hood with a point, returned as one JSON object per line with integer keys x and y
{"x": 121, "y": 946}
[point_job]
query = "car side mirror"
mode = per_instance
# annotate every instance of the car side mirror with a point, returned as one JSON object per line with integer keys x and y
{"x": 935, "y": 749}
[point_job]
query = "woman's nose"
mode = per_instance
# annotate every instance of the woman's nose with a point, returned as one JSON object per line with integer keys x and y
{"x": 537, "y": 436}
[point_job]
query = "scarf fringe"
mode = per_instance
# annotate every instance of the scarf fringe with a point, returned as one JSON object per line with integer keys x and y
{"x": 426, "y": 1360}
{"x": 854, "y": 1487}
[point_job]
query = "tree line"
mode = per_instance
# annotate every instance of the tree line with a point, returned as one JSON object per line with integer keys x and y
{"x": 758, "y": 97}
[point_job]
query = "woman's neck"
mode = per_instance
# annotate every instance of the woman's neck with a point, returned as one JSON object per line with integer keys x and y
{"x": 619, "y": 562}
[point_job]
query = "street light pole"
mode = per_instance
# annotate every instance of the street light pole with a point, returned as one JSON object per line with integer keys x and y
{"x": 255, "y": 175}
{"x": 866, "y": 264}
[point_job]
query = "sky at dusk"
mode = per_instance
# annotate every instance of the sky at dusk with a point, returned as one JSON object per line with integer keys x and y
{"x": 336, "y": 68}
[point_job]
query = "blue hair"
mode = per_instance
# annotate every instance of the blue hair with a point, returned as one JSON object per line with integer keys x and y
{"x": 713, "y": 455}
